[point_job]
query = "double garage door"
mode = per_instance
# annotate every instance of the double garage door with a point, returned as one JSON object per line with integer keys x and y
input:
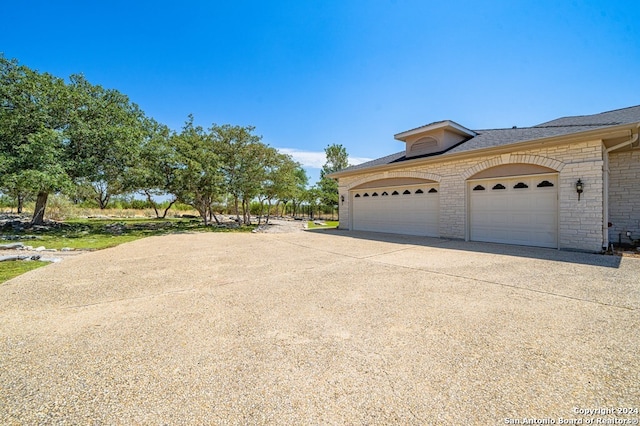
{"x": 409, "y": 210}
{"x": 517, "y": 210}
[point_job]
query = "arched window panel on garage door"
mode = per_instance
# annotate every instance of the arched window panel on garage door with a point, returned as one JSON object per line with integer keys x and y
{"x": 413, "y": 213}
{"x": 390, "y": 184}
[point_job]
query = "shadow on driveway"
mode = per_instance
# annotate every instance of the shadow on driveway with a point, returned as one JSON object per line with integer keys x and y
{"x": 480, "y": 247}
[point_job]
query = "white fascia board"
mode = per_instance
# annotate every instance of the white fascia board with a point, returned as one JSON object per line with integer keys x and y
{"x": 448, "y": 124}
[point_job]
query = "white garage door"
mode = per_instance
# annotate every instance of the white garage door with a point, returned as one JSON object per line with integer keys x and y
{"x": 411, "y": 210}
{"x": 515, "y": 210}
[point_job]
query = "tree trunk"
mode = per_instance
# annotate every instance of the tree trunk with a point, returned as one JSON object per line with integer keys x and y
{"x": 102, "y": 199}
{"x": 235, "y": 203}
{"x": 261, "y": 212}
{"x": 164, "y": 215}
{"x": 214, "y": 216}
{"x": 203, "y": 214}
{"x": 103, "y": 205}
{"x": 20, "y": 203}
{"x": 246, "y": 213}
{"x": 268, "y": 210}
{"x": 41, "y": 204}
{"x": 153, "y": 204}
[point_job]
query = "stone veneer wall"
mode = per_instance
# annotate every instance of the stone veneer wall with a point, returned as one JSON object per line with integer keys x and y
{"x": 624, "y": 195}
{"x": 580, "y": 221}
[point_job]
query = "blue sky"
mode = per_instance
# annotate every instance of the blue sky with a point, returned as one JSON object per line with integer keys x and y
{"x": 309, "y": 73}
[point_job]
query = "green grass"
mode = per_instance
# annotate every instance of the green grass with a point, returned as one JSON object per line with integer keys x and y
{"x": 96, "y": 234}
{"x": 12, "y": 269}
{"x": 328, "y": 224}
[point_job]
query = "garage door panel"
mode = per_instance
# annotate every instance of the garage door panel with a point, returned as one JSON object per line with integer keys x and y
{"x": 521, "y": 213}
{"x": 412, "y": 213}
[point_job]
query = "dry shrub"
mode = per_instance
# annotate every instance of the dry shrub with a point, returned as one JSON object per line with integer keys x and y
{"x": 59, "y": 208}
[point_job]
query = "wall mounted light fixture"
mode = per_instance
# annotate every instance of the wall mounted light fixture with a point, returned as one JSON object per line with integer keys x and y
{"x": 342, "y": 199}
{"x": 579, "y": 188}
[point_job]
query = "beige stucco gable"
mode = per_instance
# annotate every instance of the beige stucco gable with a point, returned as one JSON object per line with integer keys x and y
{"x": 433, "y": 138}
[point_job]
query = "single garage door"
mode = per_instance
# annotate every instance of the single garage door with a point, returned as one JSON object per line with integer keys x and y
{"x": 515, "y": 210}
{"x": 411, "y": 210}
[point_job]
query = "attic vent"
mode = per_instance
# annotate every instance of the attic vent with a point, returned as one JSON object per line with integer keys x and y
{"x": 424, "y": 144}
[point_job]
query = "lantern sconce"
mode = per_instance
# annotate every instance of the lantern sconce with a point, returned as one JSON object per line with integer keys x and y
{"x": 579, "y": 188}
{"x": 342, "y": 199}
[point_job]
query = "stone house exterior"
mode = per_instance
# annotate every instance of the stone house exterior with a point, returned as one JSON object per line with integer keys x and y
{"x": 571, "y": 183}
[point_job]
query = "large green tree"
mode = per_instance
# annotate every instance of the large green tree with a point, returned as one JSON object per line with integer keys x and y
{"x": 337, "y": 159}
{"x": 242, "y": 156}
{"x": 279, "y": 178}
{"x": 157, "y": 169}
{"x": 298, "y": 194}
{"x": 34, "y": 112}
{"x": 105, "y": 136}
{"x": 54, "y": 135}
{"x": 199, "y": 180}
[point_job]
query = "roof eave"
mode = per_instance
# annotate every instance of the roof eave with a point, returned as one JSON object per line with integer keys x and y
{"x": 611, "y": 131}
{"x": 451, "y": 125}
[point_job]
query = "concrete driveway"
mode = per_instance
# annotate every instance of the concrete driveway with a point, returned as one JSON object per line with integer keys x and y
{"x": 321, "y": 327}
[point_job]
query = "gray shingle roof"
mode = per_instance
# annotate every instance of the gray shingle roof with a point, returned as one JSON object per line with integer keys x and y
{"x": 608, "y": 118}
{"x": 499, "y": 137}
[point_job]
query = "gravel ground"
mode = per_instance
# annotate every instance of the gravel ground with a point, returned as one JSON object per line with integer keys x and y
{"x": 319, "y": 327}
{"x": 280, "y": 226}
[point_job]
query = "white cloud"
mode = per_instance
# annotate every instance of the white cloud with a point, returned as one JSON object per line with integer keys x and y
{"x": 359, "y": 160}
{"x": 316, "y": 159}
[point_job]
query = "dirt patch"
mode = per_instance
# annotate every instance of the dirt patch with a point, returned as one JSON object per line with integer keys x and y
{"x": 627, "y": 253}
